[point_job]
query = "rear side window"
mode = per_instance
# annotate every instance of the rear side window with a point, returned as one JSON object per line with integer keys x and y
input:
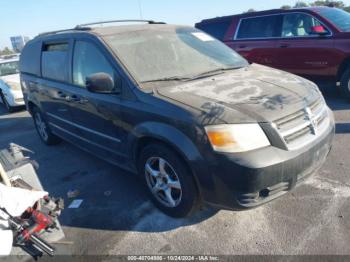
{"x": 88, "y": 60}
{"x": 54, "y": 61}
{"x": 30, "y": 58}
{"x": 260, "y": 27}
{"x": 216, "y": 29}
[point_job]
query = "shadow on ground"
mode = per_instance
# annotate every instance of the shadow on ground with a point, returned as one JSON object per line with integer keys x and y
{"x": 333, "y": 96}
{"x": 113, "y": 199}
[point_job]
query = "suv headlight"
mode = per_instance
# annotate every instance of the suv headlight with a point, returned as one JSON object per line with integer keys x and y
{"x": 236, "y": 137}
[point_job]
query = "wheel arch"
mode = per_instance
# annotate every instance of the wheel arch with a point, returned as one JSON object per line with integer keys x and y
{"x": 169, "y": 136}
{"x": 30, "y": 107}
{"x": 343, "y": 67}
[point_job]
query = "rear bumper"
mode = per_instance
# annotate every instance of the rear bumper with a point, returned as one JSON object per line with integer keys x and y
{"x": 243, "y": 181}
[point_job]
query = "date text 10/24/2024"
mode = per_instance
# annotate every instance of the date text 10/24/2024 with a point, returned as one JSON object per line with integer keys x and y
{"x": 173, "y": 258}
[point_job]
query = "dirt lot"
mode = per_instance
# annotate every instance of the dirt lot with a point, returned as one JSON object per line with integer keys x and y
{"x": 116, "y": 216}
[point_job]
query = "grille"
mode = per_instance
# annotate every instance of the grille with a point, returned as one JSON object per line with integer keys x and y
{"x": 303, "y": 126}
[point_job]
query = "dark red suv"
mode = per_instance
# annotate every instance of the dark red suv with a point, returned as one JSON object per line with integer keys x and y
{"x": 312, "y": 42}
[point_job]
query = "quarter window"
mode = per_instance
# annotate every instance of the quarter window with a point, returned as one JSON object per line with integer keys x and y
{"x": 260, "y": 27}
{"x": 217, "y": 29}
{"x": 88, "y": 60}
{"x": 54, "y": 61}
{"x": 298, "y": 25}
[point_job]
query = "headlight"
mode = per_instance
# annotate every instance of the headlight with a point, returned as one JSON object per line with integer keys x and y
{"x": 14, "y": 85}
{"x": 236, "y": 137}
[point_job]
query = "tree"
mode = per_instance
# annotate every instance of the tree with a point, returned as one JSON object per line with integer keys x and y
{"x": 6, "y": 51}
{"x": 286, "y": 7}
{"x": 300, "y": 4}
{"x": 251, "y": 10}
{"x": 338, "y": 4}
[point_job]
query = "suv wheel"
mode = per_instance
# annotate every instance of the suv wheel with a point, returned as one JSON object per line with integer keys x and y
{"x": 170, "y": 184}
{"x": 43, "y": 128}
{"x": 6, "y": 104}
{"x": 345, "y": 84}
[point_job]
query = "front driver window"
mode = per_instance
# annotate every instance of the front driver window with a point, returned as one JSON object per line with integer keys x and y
{"x": 298, "y": 25}
{"x": 88, "y": 60}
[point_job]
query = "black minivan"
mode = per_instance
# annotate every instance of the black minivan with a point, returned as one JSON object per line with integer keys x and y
{"x": 187, "y": 113}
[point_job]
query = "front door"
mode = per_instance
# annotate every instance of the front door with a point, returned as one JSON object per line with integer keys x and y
{"x": 97, "y": 116}
{"x": 300, "y": 51}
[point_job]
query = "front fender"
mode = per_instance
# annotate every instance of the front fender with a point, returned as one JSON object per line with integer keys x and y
{"x": 182, "y": 144}
{"x": 166, "y": 133}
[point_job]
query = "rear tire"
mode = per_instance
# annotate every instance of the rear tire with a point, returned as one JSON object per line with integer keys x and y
{"x": 43, "y": 128}
{"x": 169, "y": 182}
{"x": 9, "y": 108}
{"x": 345, "y": 84}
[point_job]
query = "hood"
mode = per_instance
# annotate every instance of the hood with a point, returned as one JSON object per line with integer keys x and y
{"x": 14, "y": 82}
{"x": 255, "y": 93}
{"x": 11, "y": 78}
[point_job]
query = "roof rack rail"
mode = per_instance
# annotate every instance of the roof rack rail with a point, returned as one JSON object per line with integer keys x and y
{"x": 85, "y": 27}
{"x": 118, "y": 21}
{"x": 64, "y": 30}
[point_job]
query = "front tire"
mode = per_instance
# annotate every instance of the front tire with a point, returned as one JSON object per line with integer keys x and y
{"x": 43, "y": 128}
{"x": 170, "y": 184}
{"x": 345, "y": 84}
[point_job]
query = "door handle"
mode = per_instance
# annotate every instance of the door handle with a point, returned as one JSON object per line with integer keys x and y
{"x": 75, "y": 98}
{"x": 284, "y": 45}
{"x": 80, "y": 100}
{"x": 61, "y": 94}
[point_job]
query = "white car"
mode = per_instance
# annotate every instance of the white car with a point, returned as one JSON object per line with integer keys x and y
{"x": 10, "y": 88}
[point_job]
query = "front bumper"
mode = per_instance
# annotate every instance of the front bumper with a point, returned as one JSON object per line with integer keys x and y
{"x": 247, "y": 180}
{"x": 15, "y": 98}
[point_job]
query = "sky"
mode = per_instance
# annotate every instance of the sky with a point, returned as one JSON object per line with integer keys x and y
{"x": 30, "y": 17}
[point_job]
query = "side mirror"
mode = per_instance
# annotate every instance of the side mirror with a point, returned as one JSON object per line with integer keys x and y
{"x": 101, "y": 83}
{"x": 318, "y": 30}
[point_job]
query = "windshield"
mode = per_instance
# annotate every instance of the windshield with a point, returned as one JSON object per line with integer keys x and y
{"x": 339, "y": 18}
{"x": 9, "y": 68}
{"x": 172, "y": 54}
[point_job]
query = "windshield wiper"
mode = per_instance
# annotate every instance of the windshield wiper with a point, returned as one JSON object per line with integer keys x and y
{"x": 214, "y": 72}
{"x": 165, "y": 79}
{"x": 203, "y": 74}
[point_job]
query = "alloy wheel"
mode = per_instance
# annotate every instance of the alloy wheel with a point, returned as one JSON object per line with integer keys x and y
{"x": 41, "y": 126}
{"x": 163, "y": 181}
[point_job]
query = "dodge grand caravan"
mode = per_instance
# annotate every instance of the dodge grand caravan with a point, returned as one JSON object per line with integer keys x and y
{"x": 191, "y": 116}
{"x": 311, "y": 42}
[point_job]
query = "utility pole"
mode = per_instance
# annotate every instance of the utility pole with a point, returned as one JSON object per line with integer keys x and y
{"x": 140, "y": 9}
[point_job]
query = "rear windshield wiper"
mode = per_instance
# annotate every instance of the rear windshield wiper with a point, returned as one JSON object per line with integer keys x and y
{"x": 165, "y": 79}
